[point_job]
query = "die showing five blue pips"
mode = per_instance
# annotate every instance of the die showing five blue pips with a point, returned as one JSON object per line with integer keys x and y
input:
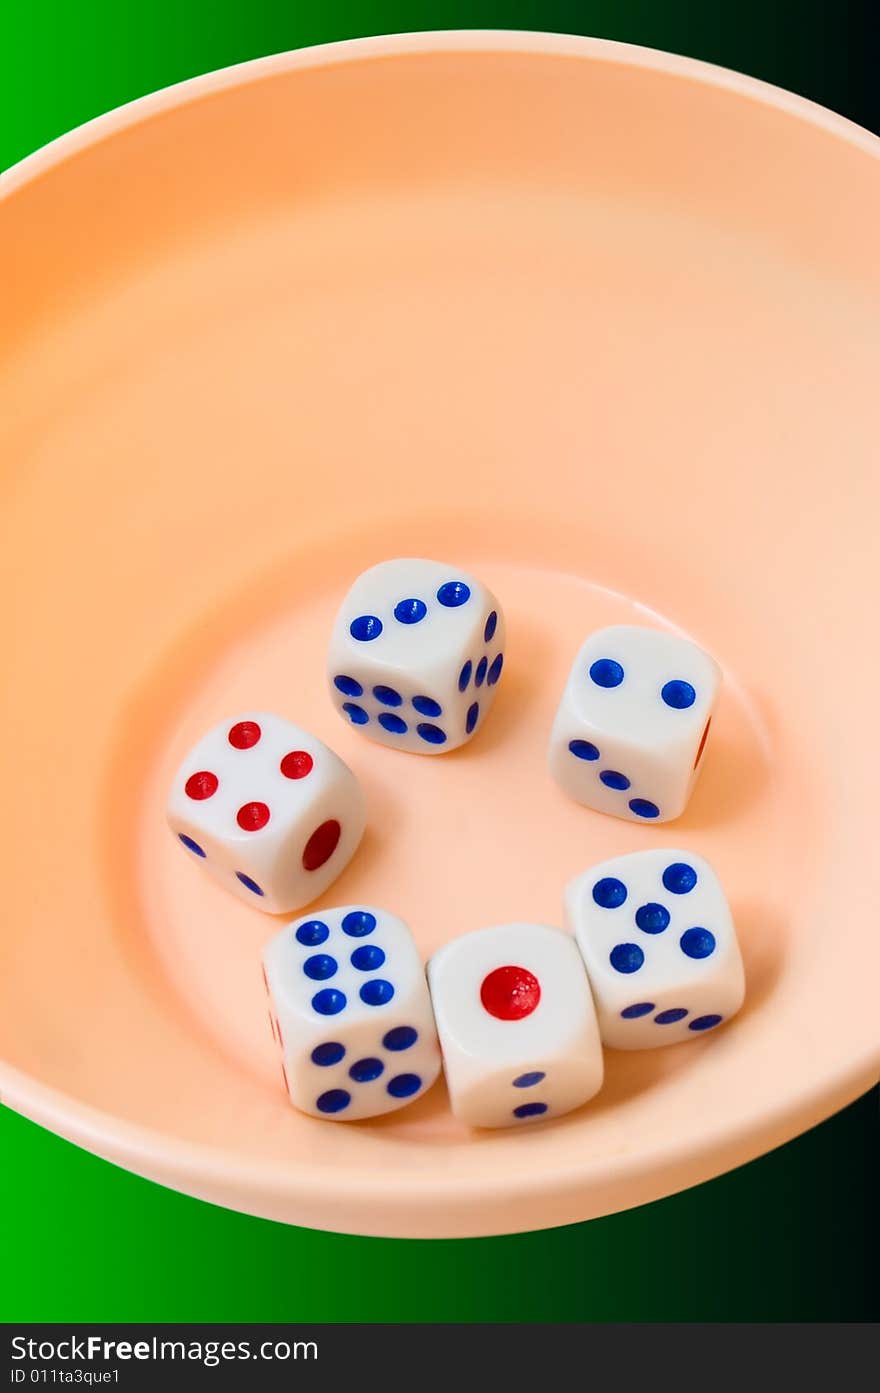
{"x": 658, "y": 940}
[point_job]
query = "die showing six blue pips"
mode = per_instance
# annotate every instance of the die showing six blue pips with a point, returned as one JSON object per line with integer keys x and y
{"x": 351, "y": 1013}
{"x": 519, "y": 1011}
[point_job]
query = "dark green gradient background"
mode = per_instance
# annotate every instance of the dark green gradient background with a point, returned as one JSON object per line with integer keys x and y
{"x": 790, "y": 1237}
{"x": 63, "y": 61}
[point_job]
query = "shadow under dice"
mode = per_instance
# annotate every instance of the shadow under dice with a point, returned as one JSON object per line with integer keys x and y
{"x": 632, "y": 725}
{"x": 661, "y": 952}
{"x": 351, "y": 1013}
{"x": 415, "y": 656}
{"x": 516, "y": 1023}
{"x": 268, "y": 810}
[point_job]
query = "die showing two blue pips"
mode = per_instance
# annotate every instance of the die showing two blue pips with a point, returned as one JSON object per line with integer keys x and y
{"x": 631, "y": 728}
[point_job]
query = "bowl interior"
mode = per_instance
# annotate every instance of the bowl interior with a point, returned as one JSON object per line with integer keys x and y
{"x": 573, "y": 317}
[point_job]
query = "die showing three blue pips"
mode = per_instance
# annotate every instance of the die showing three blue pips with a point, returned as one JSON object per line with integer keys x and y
{"x": 415, "y": 657}
{"x": 416, "y": 654}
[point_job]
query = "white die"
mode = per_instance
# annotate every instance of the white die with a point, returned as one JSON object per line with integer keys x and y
{"x": 631, "y": 727}
{"x": 352, "y": 1013}
{"x": 268, "y": 810}
{"x": 658, "y": 940}
{"x": 416, "y": 654}
{"x": 516, "y": 1023}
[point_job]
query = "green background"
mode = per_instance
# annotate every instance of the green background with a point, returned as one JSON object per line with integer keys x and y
{"x": 790, "y": 1237}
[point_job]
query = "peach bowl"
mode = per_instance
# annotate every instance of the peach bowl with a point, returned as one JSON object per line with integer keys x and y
{"x": 598, "y": 323}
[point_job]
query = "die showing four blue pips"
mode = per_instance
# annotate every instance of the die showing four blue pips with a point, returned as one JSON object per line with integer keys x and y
{"x": 520, "y": 1010}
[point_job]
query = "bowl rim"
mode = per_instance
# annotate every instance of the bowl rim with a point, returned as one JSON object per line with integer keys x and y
{"x": 199, "y": 1166}
{"x": 484, "y": 41}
